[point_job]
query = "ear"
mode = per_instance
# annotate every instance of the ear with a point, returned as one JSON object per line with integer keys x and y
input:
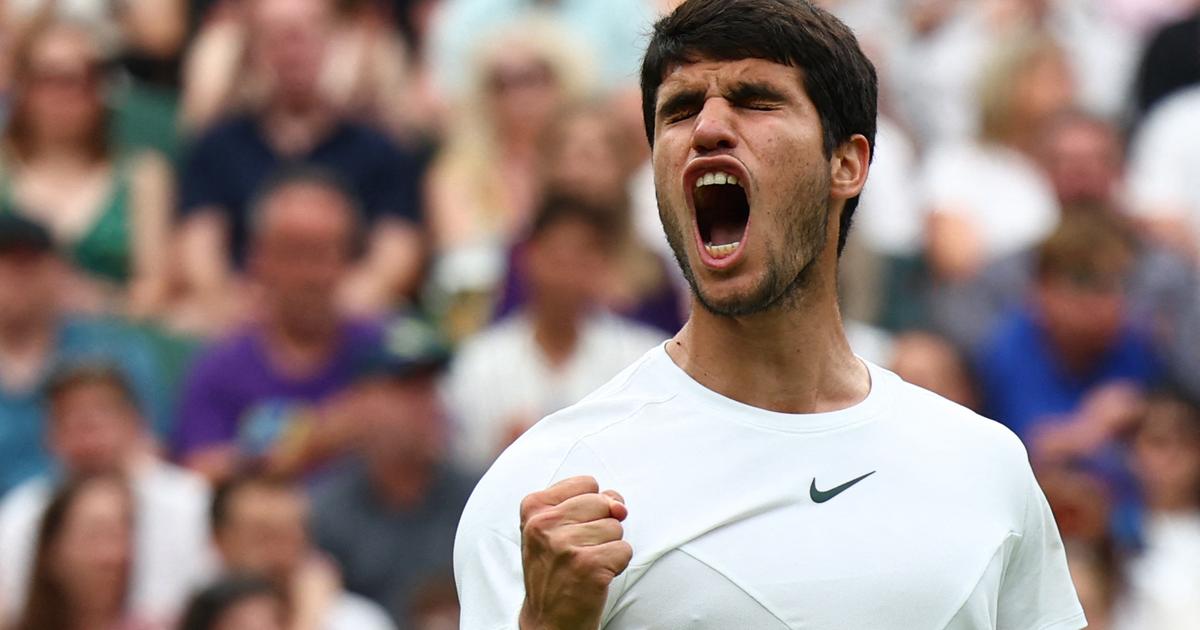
{"x": 848, "y": 167}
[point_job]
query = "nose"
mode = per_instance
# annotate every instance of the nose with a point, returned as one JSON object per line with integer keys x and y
{"x": 714, "y": 130}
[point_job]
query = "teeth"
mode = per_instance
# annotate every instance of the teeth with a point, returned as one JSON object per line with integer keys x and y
{"x": 708, "y": 179}
{"x": 721, "y": 251}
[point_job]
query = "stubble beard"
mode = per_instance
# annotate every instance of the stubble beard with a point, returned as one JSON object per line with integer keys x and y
{"x": 788, "y": 272}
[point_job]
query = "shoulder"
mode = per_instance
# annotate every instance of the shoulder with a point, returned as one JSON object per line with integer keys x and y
{"x": 557, "y": 443}
{"x": 231, "y": 352}
{"x": 232, "y": 130}
{"x": 505, "y": 334}
{"x": 352, "y": 612}
{"x": 958, "y": 432}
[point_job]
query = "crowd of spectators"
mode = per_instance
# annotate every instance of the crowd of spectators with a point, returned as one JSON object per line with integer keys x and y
{"x": 280, "y": 278}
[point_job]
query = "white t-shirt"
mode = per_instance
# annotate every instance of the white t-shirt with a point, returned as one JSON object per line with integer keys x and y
{"x": 1006, "y": 197}
{"x": 172, "y": 552}
{"x": 736, "y": 518}
{"x": 352, "y": 612}
{"x": 1165, "y": 578}
{"x": 501, "y": 375}
{"x": 1164, "y": 163}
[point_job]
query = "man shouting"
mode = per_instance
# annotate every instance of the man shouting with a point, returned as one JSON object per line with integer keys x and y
{"x": 753, "y": 472}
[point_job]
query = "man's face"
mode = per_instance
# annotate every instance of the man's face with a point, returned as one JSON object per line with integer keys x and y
{"x": 742, "y": 246}
{"x": 290, "y": 39}
{"x": 301, "y": 254}
{"x": 93, "y": 428}
{"x": 567, "y": 265}
{"x": 264, "y": 532}
{"x": 1083, "y": 314}
{"x": 1084, "y": 162}
{"x": 28, "y": 285}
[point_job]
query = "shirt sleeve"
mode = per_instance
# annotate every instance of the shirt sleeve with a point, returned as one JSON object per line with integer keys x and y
{"x": 1036, "y": 592}
{"x": 1159, "y": 162}
{"x": 491, "y": 586}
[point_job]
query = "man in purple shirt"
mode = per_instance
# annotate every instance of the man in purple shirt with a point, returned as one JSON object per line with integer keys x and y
{"x": 270, "y": 392}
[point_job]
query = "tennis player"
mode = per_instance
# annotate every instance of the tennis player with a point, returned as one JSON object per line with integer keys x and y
{"x": 752, "y": 472}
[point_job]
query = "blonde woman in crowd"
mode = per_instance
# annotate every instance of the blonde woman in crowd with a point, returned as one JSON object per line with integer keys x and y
{"x": 987, "y": 198}
{"x": 109, "y": 211}
{"x": 484, "y": 185}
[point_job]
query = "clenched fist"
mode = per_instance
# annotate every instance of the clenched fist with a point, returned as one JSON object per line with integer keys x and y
{"x": 571, "y": 549}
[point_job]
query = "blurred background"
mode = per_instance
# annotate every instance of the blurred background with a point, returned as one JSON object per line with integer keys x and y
{"x": 280, "y": 278}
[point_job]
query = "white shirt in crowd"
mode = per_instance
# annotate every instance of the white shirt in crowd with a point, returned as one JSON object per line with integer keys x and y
{"x": 173, "y": 556}
{"x": 352, "y": 612}
{"x": 1164, "y": 580}
{"x": 500, "y": 377}
{"x": 1004, "y": 195}
{"x": 1165, "y": 161}
{"x": 902, "y": 512}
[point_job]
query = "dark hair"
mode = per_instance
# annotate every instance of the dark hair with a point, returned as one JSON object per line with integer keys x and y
{"x": 47, "y": 605}
{"x": 838, "y": 77}
{"x": 303, "y": 174}
{"x": 558, "y": 207}
{"x": 1086, "y": 247}
{"x": 226, "y": 491}
{"x": 68, "y": 377}
{"x": 206, "y": 608}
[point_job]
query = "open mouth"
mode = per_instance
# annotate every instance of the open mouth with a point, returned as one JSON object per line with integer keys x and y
{"x": 722, "y": 213}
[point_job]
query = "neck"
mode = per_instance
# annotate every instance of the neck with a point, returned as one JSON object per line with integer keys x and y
{"x": 299, "y": 353}
{"x": 96, "y": 616}
{"x": 1168, "y": 502}
{"x": 295, "y": 127}
{"x": 793, "y": 358}
{"x": 555, "y": 333}
{"x": 60, "y": 154}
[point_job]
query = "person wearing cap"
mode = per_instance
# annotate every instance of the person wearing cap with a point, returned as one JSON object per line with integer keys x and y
{"x": 36, "y": 334}
{"x": 94, "y": 427}
{"x": 388, "y": 518}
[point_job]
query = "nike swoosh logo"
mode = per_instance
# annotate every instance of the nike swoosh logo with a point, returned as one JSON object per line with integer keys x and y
{"x": 821, "y": 496}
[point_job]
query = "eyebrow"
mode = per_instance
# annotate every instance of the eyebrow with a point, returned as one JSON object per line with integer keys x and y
{"x": 752, "y": 92}
{"x": 683, "y": 100}
{"x": 740, "y": 93}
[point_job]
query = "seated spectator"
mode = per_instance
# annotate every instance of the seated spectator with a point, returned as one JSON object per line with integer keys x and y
{"x": 929, "y": 361}
{"x": 84, "y": 558}
{"x": 260, "y": 528}
{"x": 987, "y": 198}
{"x": 554, "y": 351}
{"x": 95, "y": 428}
{"x": 1163, "y": 172}
{"x": 581, "y": 153}
{"x": 1084, "y": 160}
{"x": 1064, "y": 372}
{"x": 484, "y": 185}
{"x": 236, "y": 603}
{"x": 36, "y": 334}
{"x": 109, "y": 211}
{"x": 1165, "y": 577}
{"x": 280, "y": 375}
{"x": 389, "y": 518}
{"x": 292, "y": 122}
{"x": 364, "y": 74}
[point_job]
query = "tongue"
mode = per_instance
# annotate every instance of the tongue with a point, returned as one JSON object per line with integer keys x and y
{"x": 725, "y": 233}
